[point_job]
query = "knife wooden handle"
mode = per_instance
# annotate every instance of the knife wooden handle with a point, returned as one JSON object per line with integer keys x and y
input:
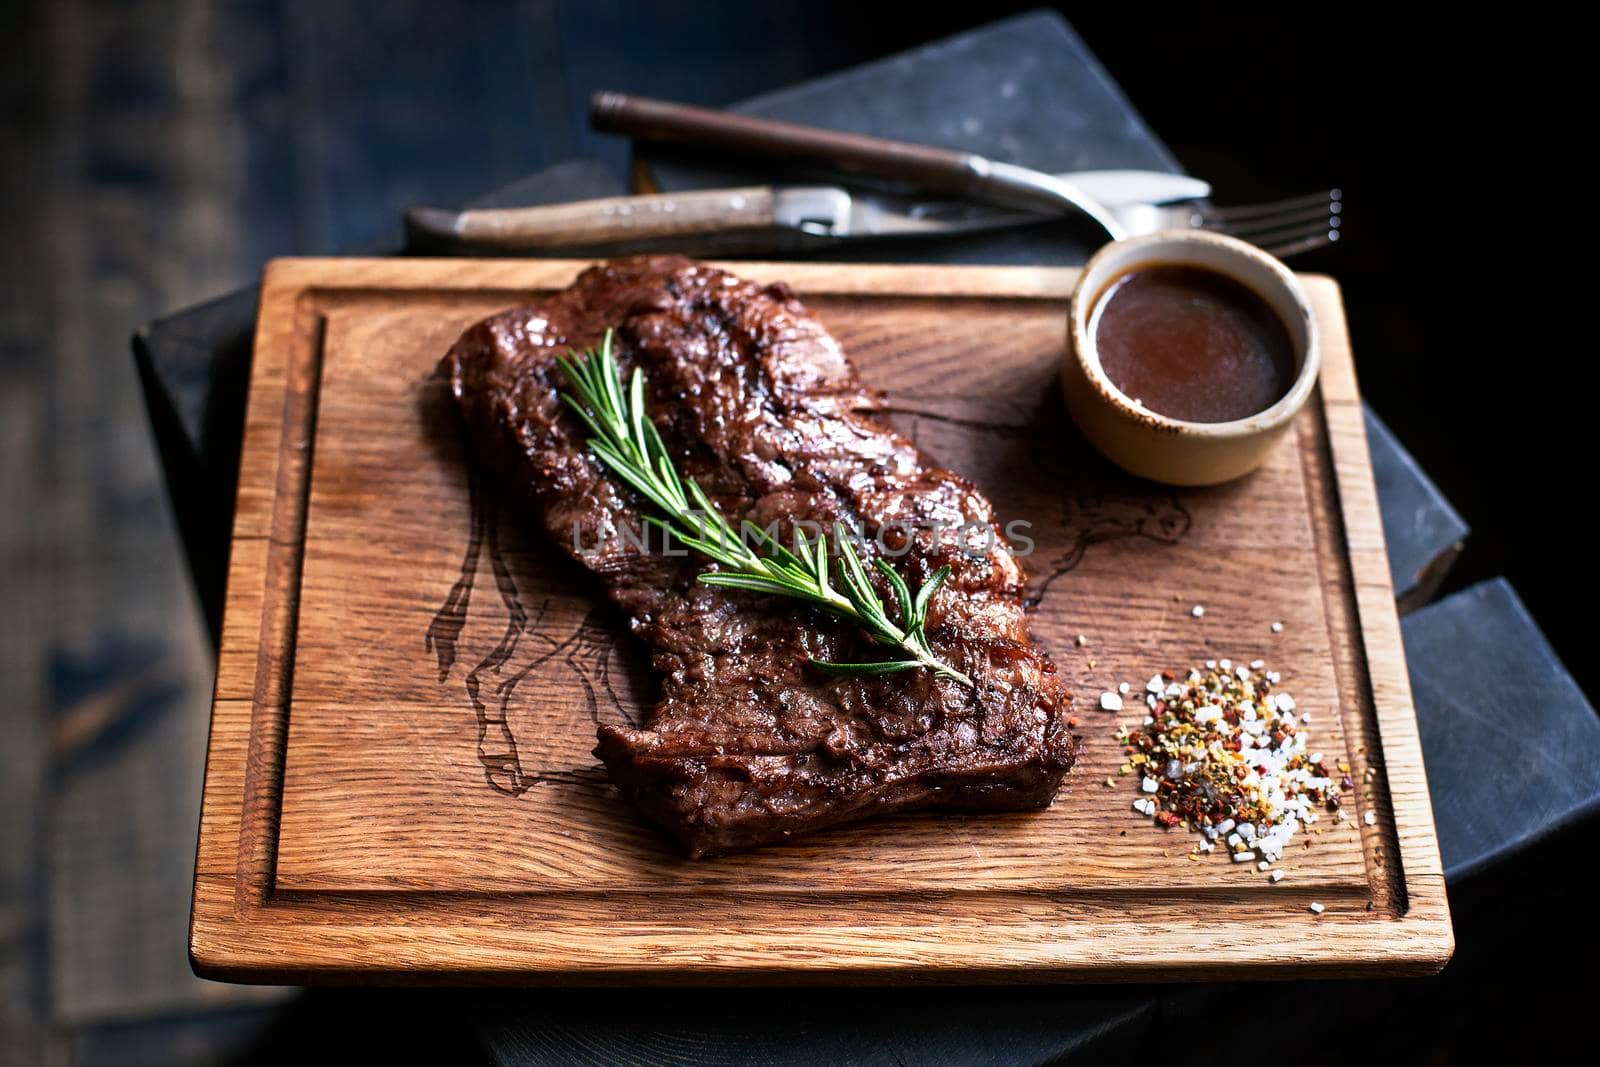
{"x": 594, "y": 223}
{"x": 939, "y": 169}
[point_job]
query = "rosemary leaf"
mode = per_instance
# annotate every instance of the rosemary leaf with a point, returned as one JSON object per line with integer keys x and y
{"x": 888, "y": 666}
{"x": 908, "y": 617}
{"x": 925, "y": 595}
{"x": 626, "y": 441}
{"x": 753, "y": 583}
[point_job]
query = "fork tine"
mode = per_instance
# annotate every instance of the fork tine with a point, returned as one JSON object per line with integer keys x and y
{"x": 1290, "y": 232}
{"x": 1268, "y": 223}
{"x": 1305, "y": 244}
{"x": 1332, "y": 201}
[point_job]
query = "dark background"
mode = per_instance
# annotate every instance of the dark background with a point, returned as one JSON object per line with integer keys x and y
{"x": 156, "y": 153}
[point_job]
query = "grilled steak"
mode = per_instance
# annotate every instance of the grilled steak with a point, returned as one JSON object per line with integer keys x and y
{"x": 750, "y": 744}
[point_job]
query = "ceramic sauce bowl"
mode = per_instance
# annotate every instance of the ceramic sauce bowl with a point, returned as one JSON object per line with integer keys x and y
{"x": 1160, "y": 447}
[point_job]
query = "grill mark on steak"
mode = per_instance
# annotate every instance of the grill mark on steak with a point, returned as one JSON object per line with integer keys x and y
{"x": 748, "y": 744}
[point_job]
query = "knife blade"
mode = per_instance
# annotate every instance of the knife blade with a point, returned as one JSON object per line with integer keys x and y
{"x": 755, "y": 219}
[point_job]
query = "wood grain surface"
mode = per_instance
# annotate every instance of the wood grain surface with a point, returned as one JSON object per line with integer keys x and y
{"x": 399, "y": 784}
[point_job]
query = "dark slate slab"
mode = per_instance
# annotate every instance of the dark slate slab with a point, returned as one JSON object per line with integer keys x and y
{"x": 194, "y": 369}
{"x": 1424, "y": 534}
{"x": 1511, "y": 745}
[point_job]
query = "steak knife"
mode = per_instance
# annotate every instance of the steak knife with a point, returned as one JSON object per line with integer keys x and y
{"x": 755, "y": 219}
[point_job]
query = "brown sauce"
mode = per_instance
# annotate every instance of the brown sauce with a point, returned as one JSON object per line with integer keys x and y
{"x": 1192, "y": 344}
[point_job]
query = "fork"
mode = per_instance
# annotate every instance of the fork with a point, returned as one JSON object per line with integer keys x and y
{"x": 1283, "y": 228}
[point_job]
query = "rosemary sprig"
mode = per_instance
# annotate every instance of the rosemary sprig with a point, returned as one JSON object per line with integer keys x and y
{"x": 627, "y": 442}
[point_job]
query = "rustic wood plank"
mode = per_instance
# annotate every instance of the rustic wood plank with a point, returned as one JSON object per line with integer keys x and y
{"x": 369, "y": 810}
{"x": 123, "y": 159}
{"x": 24, "y": 758}
{"x": 25, "y": 487}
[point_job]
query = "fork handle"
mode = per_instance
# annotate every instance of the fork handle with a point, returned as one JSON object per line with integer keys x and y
{"x": 939, "y": 169}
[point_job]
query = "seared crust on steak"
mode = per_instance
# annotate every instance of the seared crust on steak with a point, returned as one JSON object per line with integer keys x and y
{"x": 749, "y": 743}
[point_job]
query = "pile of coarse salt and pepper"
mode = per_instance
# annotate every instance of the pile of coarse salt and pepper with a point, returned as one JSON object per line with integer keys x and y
{"x": 1224, "y": 755}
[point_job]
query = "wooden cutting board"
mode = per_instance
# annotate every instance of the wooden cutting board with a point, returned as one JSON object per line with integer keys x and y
{"x": 399, "y": 782}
